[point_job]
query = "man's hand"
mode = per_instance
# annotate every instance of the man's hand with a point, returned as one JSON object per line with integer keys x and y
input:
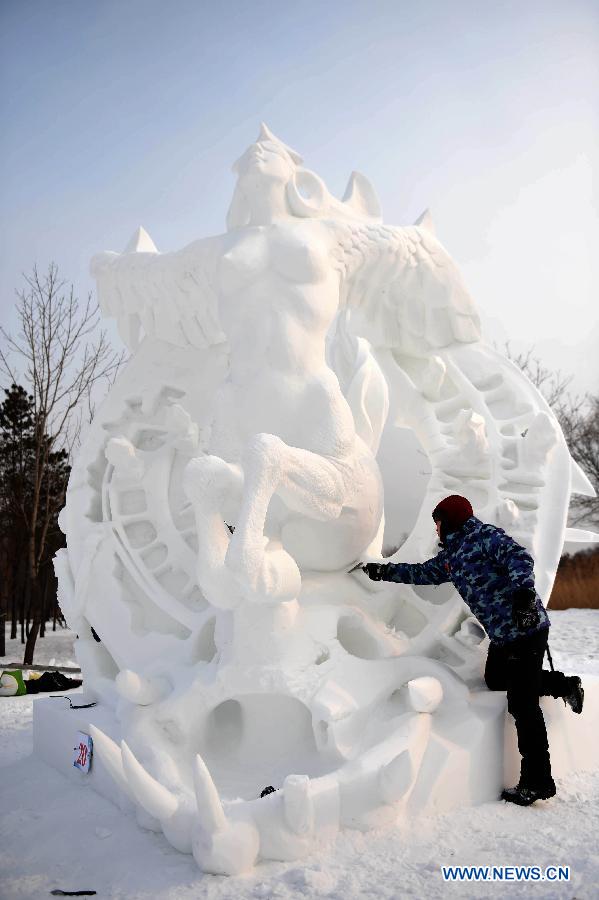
{"x": 375, "y": 571}
{"x": 524, "y": 608}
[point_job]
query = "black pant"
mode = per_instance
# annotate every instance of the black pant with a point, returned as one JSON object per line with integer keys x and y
{"x": 517, "y": 667}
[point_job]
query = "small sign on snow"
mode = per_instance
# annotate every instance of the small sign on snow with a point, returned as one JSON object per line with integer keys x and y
{"x": 83, "y": 750}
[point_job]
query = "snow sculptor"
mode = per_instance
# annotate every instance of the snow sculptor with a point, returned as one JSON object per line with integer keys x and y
{"x": 494, "y": 576}
{"x": 284, "y": 374}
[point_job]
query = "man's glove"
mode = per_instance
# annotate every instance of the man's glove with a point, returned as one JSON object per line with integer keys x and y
{"x": 524, "y": 609}
{"x": 375, "y": 571}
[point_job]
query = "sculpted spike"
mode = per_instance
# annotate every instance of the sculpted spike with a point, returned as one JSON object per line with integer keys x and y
{"x": 361, "y": 195}
{"x": 141, "y": 242}
{"x": 425, "y": 220}
{"x": 579, "y": 482}
{"x": 210, "y": 810}
{"x": 155, "y": 799}
{"x": 111, "y": 757}
{"x": 581, "y": 536}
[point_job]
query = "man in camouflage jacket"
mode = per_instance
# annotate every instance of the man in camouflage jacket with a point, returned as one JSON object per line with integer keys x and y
{"x": 494, "y": 576}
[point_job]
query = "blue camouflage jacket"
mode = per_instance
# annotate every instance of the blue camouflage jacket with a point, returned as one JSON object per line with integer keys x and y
{"x": 486, "y": 566}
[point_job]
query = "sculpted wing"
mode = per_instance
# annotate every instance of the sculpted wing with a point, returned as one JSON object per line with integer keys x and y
{"x": 402, "y": 289}
{"x": 166, "y": 295}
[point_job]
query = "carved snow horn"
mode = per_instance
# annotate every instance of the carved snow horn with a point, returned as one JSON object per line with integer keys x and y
{"x": 361, "y": 198}
{"x": 306, "y": 193}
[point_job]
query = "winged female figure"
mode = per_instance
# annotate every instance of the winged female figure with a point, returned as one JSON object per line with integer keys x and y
{"x": 311, "y": 297}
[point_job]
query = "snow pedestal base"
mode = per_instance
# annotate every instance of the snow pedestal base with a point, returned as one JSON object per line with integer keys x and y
{"x": 55, "y": 727}
{"x": 445, "y": 767}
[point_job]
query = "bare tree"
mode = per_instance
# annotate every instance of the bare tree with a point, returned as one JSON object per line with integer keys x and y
{"x": 62, "y": 356}
{"x": 581, "y": 429}
{"x": 579, "y": 420}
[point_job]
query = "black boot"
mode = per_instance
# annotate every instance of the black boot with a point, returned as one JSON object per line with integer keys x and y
{"x": 526, "y": 793}
{"x": 575, "y": 696}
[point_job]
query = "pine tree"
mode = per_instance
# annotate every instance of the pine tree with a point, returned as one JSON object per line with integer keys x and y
{"x": 16, "y": 461}
{"x": 21, "y": 440}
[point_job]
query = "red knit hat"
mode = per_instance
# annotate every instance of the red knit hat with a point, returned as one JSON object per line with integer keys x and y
{"x": 452, "y": 512}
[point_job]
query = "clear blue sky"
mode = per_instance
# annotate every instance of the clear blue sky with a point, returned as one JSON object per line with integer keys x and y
{"x": 131, "y": 112}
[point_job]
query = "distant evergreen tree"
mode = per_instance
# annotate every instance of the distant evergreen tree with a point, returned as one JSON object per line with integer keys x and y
{"x": 22, "y": 441}
{"x": 16, "y": 458}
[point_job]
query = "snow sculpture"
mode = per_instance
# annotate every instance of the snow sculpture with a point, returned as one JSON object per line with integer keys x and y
{"x": 236, "y": 473}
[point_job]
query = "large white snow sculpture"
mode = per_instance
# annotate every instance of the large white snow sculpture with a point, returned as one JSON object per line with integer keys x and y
{"x": 281, "y": 375}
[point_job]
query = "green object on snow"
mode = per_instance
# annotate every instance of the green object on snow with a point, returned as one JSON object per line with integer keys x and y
{"x": 12, "y": 683}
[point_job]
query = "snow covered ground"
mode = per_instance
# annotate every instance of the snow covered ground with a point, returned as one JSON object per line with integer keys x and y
{"x": 55, "y": 649}
{"x": 54, "y": 834}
